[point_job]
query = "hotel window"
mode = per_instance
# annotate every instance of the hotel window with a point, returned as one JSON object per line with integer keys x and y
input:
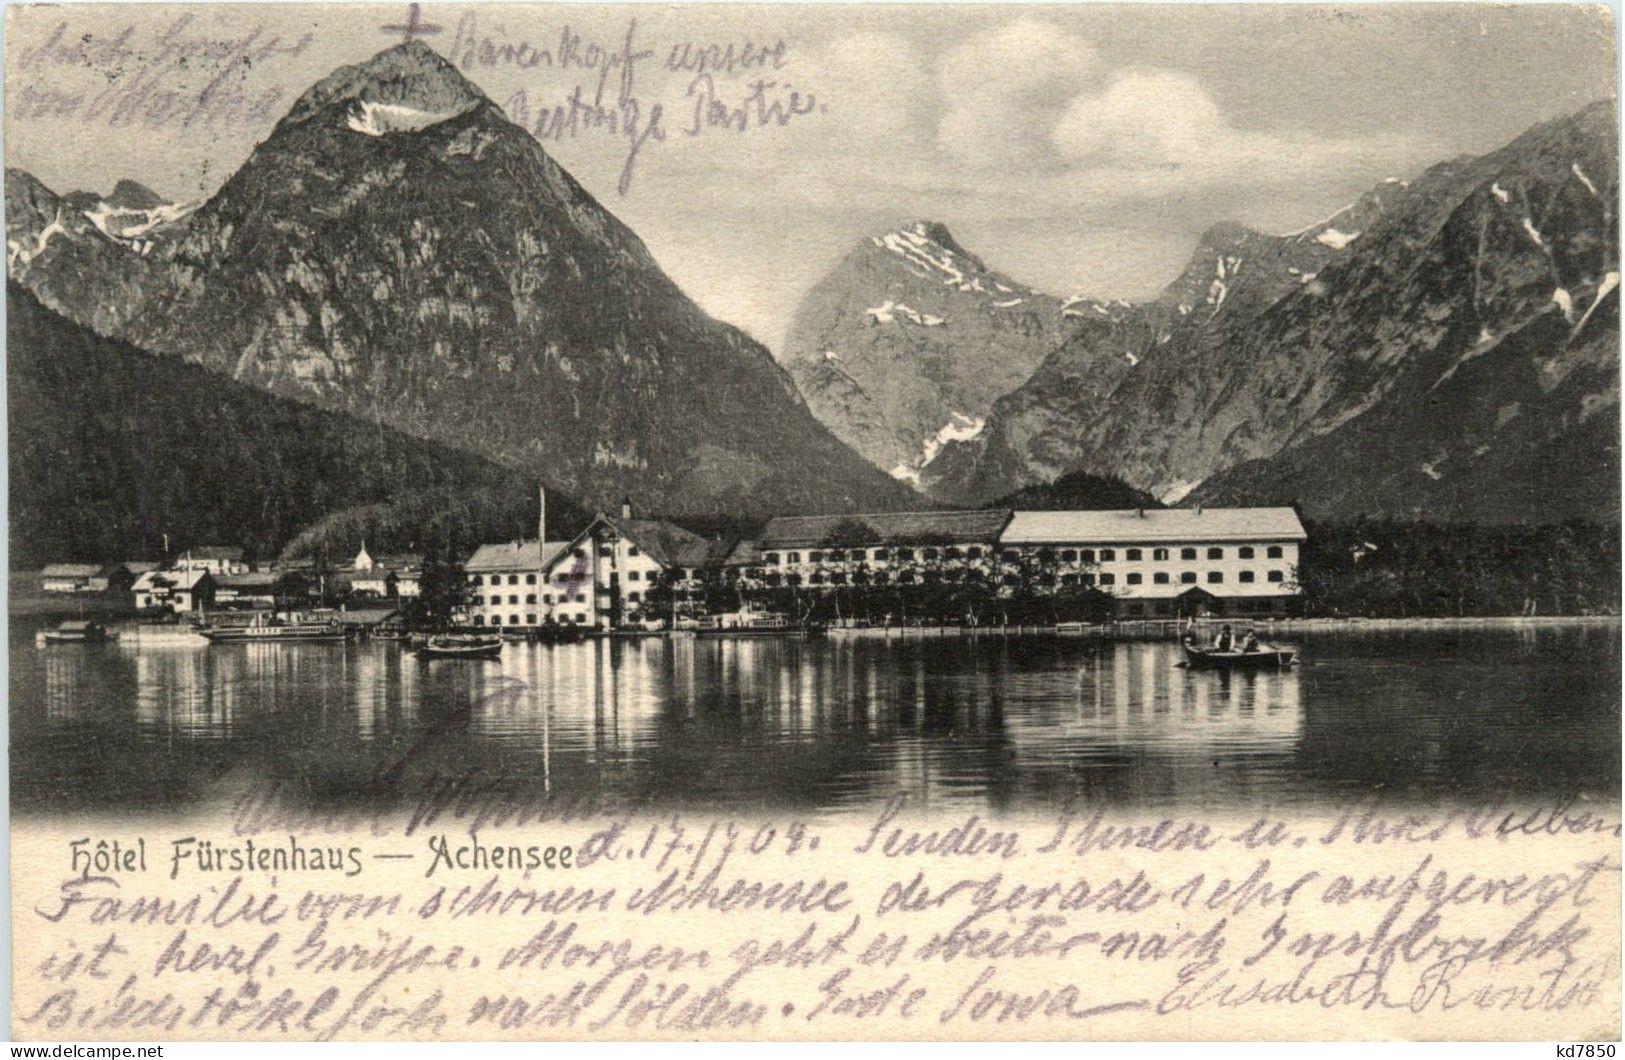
{"x": 631, "y": 598}
{"x": 1088, "y": 579}
{"x": 1108, "y": 579}
{"x": 857, "y": 555}
{"x": 513, "y": 598}
{"x": 795, "y": 557}
{"x": 606, "y": 551}
{"x": 1132, "y": 554}
{"x": 496, "y": 620}
{"x": 1273, "y": 552}
{"x": 792, "y": 579}
{"x": 1245, "y": 552}
{"x": 477, "y": 580}
{"x": 929, "y": 553}
{"x": 816, "y": 579}
{"x": 547, "y": 598}
{"x": 530, "y": 598}
{"x": 771, "y": 558}
{"x": 904, "y": 553}
{"x": 1187, "y": 578}
{"x": 950, "y": 553}
{"x": 631, "y": 550}
{"x": 974, "y": 552}
{"x": 1107, "y": 555}
{"x": 530, "y": 579}
{"x": 581, "y": 598}
{"x": 1086, "y": 555}
{"x": 880, "y": 553}
{"x": 1069, "y": 555}
{"x": 631, "y": 575}
{"x": 1215, "y": 553}
{"x": 1159, "y": 553}
{"x": 478, "y": 600}
{"x": 530, "y": 620}
{"x": 1214, "y": 577}
{"x": 815, "y": 557}
{"x": 1246, "y": 576}
{"x": 479, "y": 620}
{"x": 1161, "y": 577}
{"x": 1011, "y": 555}
{"x": 1069, "y": 579}
{"x": 1275, "y": 576}
{"x": 1187, "y": 553}
{"x": 578, "y": 553}
{"x": 837, "y": 578}
{"x": 1134, "y": 579}
{"x": 513, "y": 579}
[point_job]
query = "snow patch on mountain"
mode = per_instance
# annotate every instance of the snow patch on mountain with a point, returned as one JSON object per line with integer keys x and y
{"x": 888, "y": 311}
{"x": 380, "y": 119}
{"x": 1581, "y": 174}
{"x": 959, "y": 428}
{"x": 1008, "y": 304}
{"x": 1534, "y": 233}
{"x": 1565, "y": 302}
{"x": 127, "y": 225}
{"x": 18, "y": 254}
{"x": 1336, "y": 239}
{"x": 1499, "y": 192}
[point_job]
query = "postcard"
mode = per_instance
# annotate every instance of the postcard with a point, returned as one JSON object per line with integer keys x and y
{"x": 813, "y": 522}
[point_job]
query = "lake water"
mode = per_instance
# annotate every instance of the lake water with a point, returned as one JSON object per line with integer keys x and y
{"x": 988, "y": 724}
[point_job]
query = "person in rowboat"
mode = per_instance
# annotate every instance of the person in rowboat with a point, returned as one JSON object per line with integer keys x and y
{"x": 1224, "y": 640}
{"x": 1250, "y": 641}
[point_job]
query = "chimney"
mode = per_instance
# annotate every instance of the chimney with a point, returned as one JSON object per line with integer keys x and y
{"x": 1139, "y": 513}
{"x": 1198, "y": 509}
{"x": 541, "y": 520}
{"x": 626, "y": 508}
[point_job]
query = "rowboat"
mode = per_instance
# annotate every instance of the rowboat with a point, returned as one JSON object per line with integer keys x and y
{"x": 462, "y": 646}
{"x": 1211, "y": 659}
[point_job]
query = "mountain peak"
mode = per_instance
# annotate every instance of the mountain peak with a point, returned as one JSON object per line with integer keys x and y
{"x": 132, "y": 195}
{"x": 407, "y": 77}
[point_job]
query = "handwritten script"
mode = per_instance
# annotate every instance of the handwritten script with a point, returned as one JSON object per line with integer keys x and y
{"x": 1088, "y": 922}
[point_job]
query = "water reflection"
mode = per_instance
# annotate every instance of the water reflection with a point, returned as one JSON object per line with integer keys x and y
{"x": 989, "y": 722}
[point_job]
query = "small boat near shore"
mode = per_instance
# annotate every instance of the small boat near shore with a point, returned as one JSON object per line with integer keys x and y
{"x": 77, "y": 632}
{"x": 282, "y": 628}
{"x": 1212, "y": 659}
{"x": 461, "y": 646}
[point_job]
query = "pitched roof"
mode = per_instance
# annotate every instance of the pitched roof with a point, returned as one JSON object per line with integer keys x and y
{"x": 138, "y": 566}
{"x": 227, "y": 552}
{"x": 1133, "y": 526}
{"x": 666, "y": 543}
{"x": 900, "y": 528}
{"x": 743, "y": 554}
{"x": 251, "y": 580}
{"x": 71, "y": 570}
{"x": 367, "y": 616}
{"x": 513, "y": 555}
{"x": 184, "y": 579}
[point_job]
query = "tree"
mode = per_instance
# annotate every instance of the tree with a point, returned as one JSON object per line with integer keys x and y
{"x": 443, "y": 589}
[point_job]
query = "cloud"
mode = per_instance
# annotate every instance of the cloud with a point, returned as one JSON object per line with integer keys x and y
{"x": 1002, "y": 91}
{"x": 1144, "y": 118}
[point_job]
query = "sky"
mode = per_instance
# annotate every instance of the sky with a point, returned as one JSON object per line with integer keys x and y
{"x": 1080, "y": 149}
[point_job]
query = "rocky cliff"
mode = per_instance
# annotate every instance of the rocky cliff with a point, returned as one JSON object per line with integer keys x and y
{"x": 1372, "y": 342}
{"x": 397, "y": 249}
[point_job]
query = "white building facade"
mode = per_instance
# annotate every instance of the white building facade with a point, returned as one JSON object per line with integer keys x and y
{"x": 1172, "y": 561}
